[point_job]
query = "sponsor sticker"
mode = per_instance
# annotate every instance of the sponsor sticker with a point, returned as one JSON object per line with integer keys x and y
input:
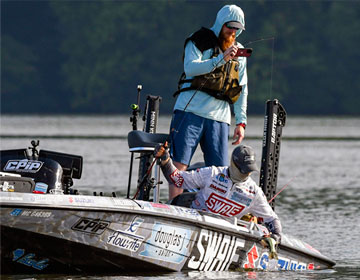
{"x": 81, "y": 200}
{"x": 273, "y": 128}
{"x": 127, "y": 239}
{"x": 282, "y": 263}
{"x": 223, "y": 206}
{"x": 16, "y": 212}
{"x": 215, "y": 251}
{"x": 168, "y": 243}
{"x": 29, "y": 259}
{"x": 36, "y": 213}
{"x": 252, "y": 257}
{"x": 24, "y": 165}
{"x": 91, "y": 226}
{"x": 40, "y": 187}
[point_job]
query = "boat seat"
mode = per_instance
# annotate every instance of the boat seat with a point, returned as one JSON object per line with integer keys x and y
{"x": 196, "y": 165}
{"x": 140, "y": 141}
{"x": 185, "y": 199}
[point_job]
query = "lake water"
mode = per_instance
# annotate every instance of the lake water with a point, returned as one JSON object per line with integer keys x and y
{"x": 320, "y": 157}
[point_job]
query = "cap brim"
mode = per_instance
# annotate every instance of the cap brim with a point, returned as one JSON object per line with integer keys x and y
{"x": 236, "y": 24}
{"x": 250, "y": 168}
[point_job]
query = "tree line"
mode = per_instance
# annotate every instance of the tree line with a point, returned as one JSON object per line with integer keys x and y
{"x": 89, "y": 56}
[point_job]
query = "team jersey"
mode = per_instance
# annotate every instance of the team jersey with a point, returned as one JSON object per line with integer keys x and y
{"x": 218, "y": 194}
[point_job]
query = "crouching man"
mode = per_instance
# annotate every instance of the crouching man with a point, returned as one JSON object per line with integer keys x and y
{"x": 226, "y": 190}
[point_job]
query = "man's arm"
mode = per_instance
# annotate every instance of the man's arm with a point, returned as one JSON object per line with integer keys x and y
{"x": 195, "y": 65}
{"x": 181, "y": 179}
{"x": 261, "y": 209}
{"x": 240, "y": 106}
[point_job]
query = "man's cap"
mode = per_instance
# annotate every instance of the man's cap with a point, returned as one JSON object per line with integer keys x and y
{"x": 244, "y": 159}
{"x": 235, "y": 24}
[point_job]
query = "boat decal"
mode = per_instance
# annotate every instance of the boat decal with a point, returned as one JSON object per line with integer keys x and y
{"x": 36, "y": 213}
{"x": 215, "y": 251}
{"x": 91, "y": 226}
{"x": 223, "y": 206}
{"x": 168, "y": 243}
{"x": 123, "y": 202}
{"x": 40, "y": 187}
{"x": 23, "y": 165}
{"x": 252, "y": 257}
{"x": 16, "y": 212}
{"x": 125, "y": 240}
{"x": 135, "y": 224}
{"x": 186, "y": 212}
{"x": 282, "y": 263}
{"x": 293, "y": 242}
{"x": 28, "y": 260}
{"x": 160, "y": 205}
{"x": 10, "y": 198}
{"x": 81, "y": 200}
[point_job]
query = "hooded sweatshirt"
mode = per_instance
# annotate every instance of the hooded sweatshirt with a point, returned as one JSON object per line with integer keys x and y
{"x": 198, "y": 63}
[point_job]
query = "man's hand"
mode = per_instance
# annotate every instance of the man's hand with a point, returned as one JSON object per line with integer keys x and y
{"x": 162, "y": 152}
{"x": 239, "y": 134}
{"x": 230, "y": 53}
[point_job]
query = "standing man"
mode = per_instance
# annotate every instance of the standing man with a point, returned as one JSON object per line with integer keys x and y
{"x": 214, "y": 77}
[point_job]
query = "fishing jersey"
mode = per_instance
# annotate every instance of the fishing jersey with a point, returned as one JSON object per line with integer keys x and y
{"x": 218, "y": 194}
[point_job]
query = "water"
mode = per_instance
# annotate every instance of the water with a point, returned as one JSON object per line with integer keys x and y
{"x": 319, "y": 159}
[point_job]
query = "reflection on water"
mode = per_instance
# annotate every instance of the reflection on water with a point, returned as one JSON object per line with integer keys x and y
{"x": 320, "y": 205}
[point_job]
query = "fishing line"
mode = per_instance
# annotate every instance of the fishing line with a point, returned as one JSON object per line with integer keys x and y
{"x": 272, "y": 58}
{"x": 259, "y": 40}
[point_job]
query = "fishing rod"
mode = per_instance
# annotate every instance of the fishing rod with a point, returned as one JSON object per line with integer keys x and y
{"x": 283, "y": 188}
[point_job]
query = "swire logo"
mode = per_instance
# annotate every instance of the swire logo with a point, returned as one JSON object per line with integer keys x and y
{"x": 220, "y": 205}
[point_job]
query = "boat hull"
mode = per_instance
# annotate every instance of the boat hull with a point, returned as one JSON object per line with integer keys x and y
{"x": 85, "y": 234}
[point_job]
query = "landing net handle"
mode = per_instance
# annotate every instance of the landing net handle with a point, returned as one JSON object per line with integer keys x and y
{"x": 274, "y": 121}
{"x": 150, "y": 118}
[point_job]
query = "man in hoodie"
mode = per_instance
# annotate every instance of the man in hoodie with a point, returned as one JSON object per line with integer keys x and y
{"x": 214, "y": 77}
{"x": 226, "y": 190}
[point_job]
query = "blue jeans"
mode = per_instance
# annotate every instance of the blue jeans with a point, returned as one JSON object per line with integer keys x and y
{"x": 187, "y": 130}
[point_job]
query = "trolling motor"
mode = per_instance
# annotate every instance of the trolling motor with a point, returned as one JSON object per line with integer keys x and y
{"x": 274, "y": 121}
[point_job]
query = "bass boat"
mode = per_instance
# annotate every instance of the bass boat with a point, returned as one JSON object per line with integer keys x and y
{"x": 48, "y": 227}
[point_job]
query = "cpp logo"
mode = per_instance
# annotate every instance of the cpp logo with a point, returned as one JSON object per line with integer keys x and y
{"x": 24, "y": 165}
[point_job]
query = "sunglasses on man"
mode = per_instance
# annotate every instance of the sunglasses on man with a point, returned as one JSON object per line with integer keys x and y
{"x": 231, "y": 27}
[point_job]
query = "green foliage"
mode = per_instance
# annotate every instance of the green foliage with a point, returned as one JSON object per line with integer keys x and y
{"x": 92, "y": 54}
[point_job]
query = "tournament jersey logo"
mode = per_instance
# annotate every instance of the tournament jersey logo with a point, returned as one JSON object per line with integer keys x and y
{"x": 176, "y": 178}
{"x": 222, "y": 178}
{"x": 223, "y": 206}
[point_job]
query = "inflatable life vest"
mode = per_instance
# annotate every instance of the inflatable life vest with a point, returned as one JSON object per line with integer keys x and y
{"x": 221, "y": 83}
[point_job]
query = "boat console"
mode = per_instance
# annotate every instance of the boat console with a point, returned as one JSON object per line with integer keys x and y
{"x": 34, "y": 171}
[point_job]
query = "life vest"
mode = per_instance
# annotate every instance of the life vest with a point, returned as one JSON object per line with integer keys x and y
{"x": 221, "y": 83}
